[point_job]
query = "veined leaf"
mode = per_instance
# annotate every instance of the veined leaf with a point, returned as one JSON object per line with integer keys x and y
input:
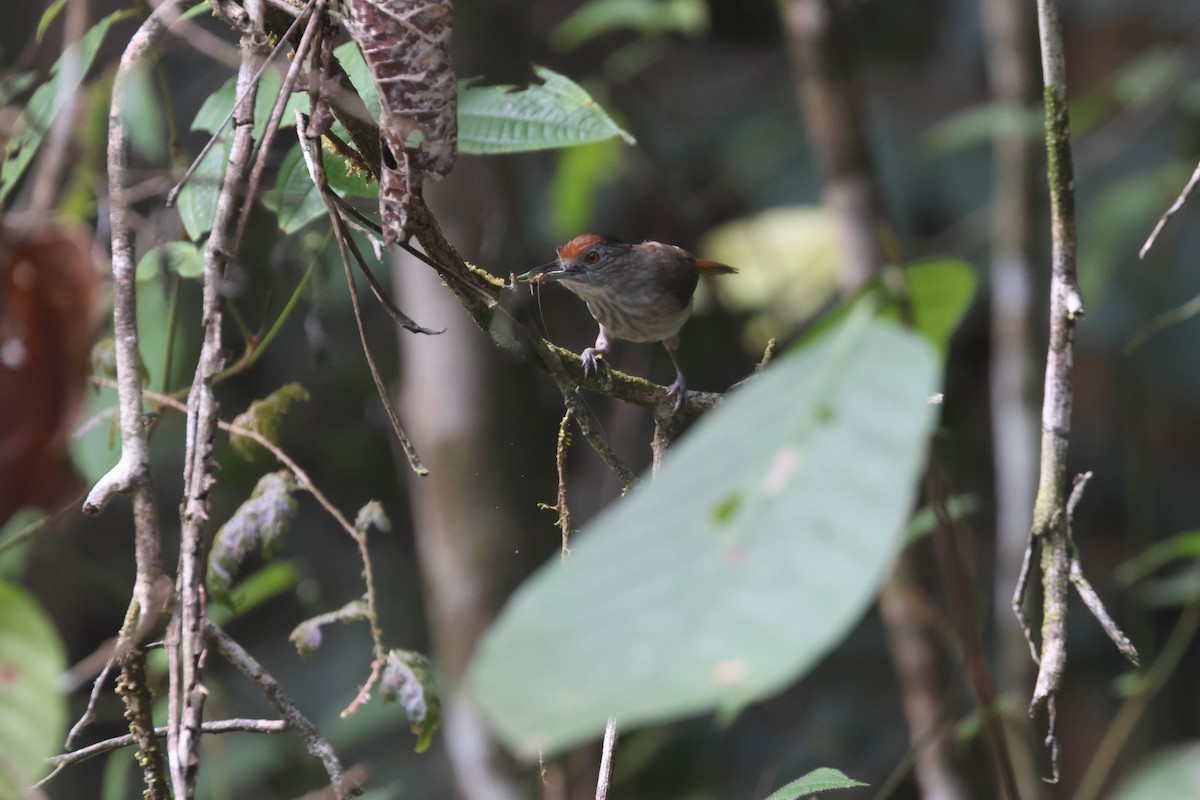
{"x": 556, "y": 113}
{"x": 759, "y": 544}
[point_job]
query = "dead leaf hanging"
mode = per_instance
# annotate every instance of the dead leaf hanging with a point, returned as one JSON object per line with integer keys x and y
{"x": 407, "y": 47}
{"x": 47, "y": 291}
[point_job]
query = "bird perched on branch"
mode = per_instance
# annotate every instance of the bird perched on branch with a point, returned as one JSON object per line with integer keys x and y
{"x": 637, "y": 292}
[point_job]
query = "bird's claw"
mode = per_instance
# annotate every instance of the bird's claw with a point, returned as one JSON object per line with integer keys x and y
{"x": 679, "y": 391}
{"x": 591, "y": 361}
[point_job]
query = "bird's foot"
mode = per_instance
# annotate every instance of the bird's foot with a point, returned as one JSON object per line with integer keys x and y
{"x": 678, "y": 390}
{"x": 592, "y": 359}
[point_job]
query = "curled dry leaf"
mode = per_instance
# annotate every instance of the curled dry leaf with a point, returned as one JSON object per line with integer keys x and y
{"x": 407, "y": 47}
{"x": 47, "y": 292}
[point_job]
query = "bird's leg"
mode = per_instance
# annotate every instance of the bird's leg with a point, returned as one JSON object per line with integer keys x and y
{"x": 678, "y": 389}
{"x": 592, "y": 355}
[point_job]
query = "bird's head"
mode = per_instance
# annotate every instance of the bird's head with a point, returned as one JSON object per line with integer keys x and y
{"x": 584, "y": 259}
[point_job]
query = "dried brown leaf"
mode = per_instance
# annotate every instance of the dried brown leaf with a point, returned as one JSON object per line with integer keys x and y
{"x": 407, "y": 46}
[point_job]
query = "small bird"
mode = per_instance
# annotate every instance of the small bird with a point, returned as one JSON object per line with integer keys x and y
{"x": 637, "y": 292}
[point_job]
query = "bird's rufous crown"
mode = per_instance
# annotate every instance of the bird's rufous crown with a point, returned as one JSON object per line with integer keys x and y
{"x": 573, "y": 248}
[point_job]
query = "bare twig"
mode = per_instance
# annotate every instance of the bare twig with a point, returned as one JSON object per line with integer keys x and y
{"x": 316, "y": 744}
{"x": 606, "y": 756}
{"x": 316, "y": 170}
{"x": 303, "y": 481}
{"x": 173, "y": 195}
{"x": 65, "y": 760}
{"x": 285, "y": 92}
{"x": 186, "y": 688}
{"x": 1170, "y": 212}
{"x": 560, "y": 465}
{"x": 1051, "y": 529}
{"x": 89, "y": 713}
{"x": 153, "y": 592}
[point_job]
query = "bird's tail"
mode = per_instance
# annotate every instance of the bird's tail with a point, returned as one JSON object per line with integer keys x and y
{"x": 713, "y": 267}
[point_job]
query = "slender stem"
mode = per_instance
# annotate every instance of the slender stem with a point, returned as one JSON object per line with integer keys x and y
{"x": 201, "y": 426}
{"x": 606, "y": 757}
{"x": 316, "y": 744}
{"x": 1049, "y": 530}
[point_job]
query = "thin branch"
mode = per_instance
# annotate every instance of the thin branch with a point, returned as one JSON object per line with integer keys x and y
{"x": 560, "y": 465}
{"x": 139, "y": 711}
{"x": 316, "y": 744}
{"x": 315, "y": 21}
{"x": 316, "y": 171}
{"x": 64, "y": 760}
{"x": 173, "y": 195}
{"x": 606, "y": 756}
{"x": 153, "y": 593}
{"x": 1049, "y": 530}
{"x": 186, "y": 687}
{"x": 1170, "y": 212}
{"x": 303, "y": 481}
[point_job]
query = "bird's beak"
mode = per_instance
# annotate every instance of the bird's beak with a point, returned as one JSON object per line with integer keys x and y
{"x": 546, "y": 272}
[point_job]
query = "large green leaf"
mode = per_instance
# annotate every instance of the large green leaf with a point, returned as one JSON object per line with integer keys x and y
{"x": 48, "y": 100}
{"x": 556, "y": 113}
{"x": 758, "y": 546}
{"x": 1171, "y": 772}
{"x": 33, "y": 711}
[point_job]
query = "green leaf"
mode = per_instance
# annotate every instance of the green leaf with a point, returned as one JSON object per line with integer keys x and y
{"x": 48, "y": 100}
{"x": 182, "y": 258}
{"x": 1170, "y": 772}
{"x": 33, "y": 709}
{"x": 141, "y": 111}
{"x": 48, "y": 17}
{"x": 295, "y": 199}
{"x": 754, "y": 551}
{"x": 260, "y": 522}
{"x": 819, "y": 780}
{"x": 265, "y": 417}
{"x": 216, "y": 106}
{"x": 556, "y": 113}
{"x": 689, "y": 17}
{"x": 198, "y": 198}
{"x": 939, "y": 292}
{"x": 361, "y": 79}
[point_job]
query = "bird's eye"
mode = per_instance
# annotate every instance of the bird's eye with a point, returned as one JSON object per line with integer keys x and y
{"x": 593, "y": 257}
